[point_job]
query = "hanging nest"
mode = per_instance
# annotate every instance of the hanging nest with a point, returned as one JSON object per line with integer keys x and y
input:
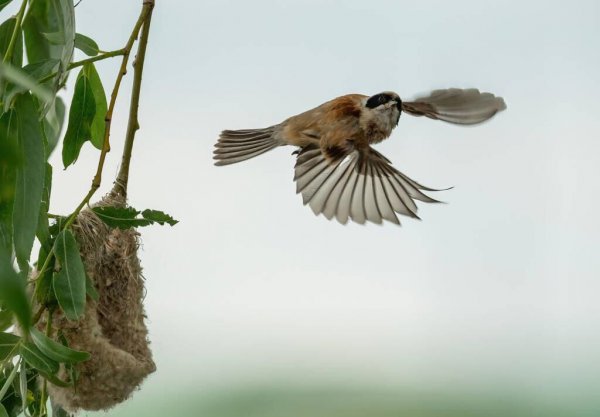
{"x": 113, "y": 328}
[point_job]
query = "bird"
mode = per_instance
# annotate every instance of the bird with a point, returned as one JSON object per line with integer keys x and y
{"x": 338, "y": 172}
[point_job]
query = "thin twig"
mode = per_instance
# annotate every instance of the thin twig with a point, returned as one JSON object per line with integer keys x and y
{"x": 105, "y": 55}
{"x": 133, "y": 124}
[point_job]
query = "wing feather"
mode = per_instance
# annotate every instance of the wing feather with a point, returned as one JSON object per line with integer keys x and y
{"x": 333, "y": 199}
{"x": 362, "y": 186}
{"x": 453, "y": 105}
{"x": 372, "y": 210}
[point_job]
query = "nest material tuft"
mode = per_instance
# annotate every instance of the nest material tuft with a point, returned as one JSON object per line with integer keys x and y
{"x": 113, "y": 328}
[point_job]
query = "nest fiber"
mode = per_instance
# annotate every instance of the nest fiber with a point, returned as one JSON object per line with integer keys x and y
{"x": 113, "y": 328}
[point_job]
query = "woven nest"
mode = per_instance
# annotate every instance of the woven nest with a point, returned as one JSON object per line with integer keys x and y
{"x": 113, "y": 328}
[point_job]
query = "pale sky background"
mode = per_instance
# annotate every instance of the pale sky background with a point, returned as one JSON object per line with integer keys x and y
{"x": 499, "y": 287}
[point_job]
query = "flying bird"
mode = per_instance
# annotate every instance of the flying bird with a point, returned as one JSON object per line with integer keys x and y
{"x": 337, "y": 171}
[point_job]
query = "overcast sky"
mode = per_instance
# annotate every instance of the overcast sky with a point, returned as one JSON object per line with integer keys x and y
{"x": 500, "y": 285}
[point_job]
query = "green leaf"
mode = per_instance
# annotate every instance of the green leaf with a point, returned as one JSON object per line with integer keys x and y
{"x": 37, "y": 359}
{"x": 4, "y": 3}
{"x": 55, "y": 38}
{"x": 44, "y": 291}
{"x": 53, "y": 123}
{"x": 43, "y": 232}
{"x": 81, "y": 116}
{"x": 20, "y": 78}
{"x": 10, "y": 160}
{"x": 41, "y": 69}
{"x": 86, "y": 45}
{"x": 6, "y": 319}
{"x": 30, "y": 179}
{"x": 98, "y": 123}
{"x": 41, "y": 18}
{"x": 126, "y": 217}
{"x": 12, "y": 290}
{"x": 49, "y": 30}
{"x": 121, "y": 217}
{"x": 3, "y": 412}
{"x": 66, "y": 19}
{"x": 35, "y": 72}
{"x": 23, "y": 384}
{"x": 6, "y": 31}
{"x": 57, "y": 351}
{"x": 8, "y": 345}
{"x": 159, "y": 217}
{"x": 69, "y": 282}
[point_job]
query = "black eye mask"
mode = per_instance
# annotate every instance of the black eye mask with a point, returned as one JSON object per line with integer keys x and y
{"x": 378, "y": 100}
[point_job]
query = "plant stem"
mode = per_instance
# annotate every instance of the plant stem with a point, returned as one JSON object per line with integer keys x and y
{"x": 9, "y": 380}
{"x": 133, "y": 124}
{"x": 13, "y": 37}
{"x": 76, "y": 64}
{"x": 43, "y": 393}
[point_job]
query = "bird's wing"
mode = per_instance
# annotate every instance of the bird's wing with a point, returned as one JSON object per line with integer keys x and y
{"x": 362, "y": 185}
{"x": 464, "y": 107}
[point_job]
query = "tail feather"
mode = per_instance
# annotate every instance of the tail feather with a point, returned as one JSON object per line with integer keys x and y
{"x": 238, "y": 145}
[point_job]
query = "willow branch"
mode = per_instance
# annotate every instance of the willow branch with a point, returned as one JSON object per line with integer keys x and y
{"x": 146, "y": 11}
{"x": 133, "y": 124}
{"x": 144, "y": 14}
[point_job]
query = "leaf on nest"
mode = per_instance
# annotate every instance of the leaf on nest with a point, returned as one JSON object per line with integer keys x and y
{"x": 159, "y": 217}
{"x": 127, "y": 217}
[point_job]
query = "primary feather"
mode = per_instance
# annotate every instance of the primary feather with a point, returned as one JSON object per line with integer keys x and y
{"x": 363, "y": 186}
{"x": 465, "y": 107}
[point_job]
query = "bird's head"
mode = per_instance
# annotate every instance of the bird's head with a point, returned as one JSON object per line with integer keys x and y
{"x": 385, "y": 108}
{"x": 387, "y": 104}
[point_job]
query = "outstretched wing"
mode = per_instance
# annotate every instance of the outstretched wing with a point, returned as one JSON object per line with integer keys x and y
{"x": 464, "y": 107}
{"x": 361, "y": 185}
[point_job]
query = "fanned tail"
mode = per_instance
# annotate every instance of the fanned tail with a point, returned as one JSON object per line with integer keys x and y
{"x": 238, "y": 145}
